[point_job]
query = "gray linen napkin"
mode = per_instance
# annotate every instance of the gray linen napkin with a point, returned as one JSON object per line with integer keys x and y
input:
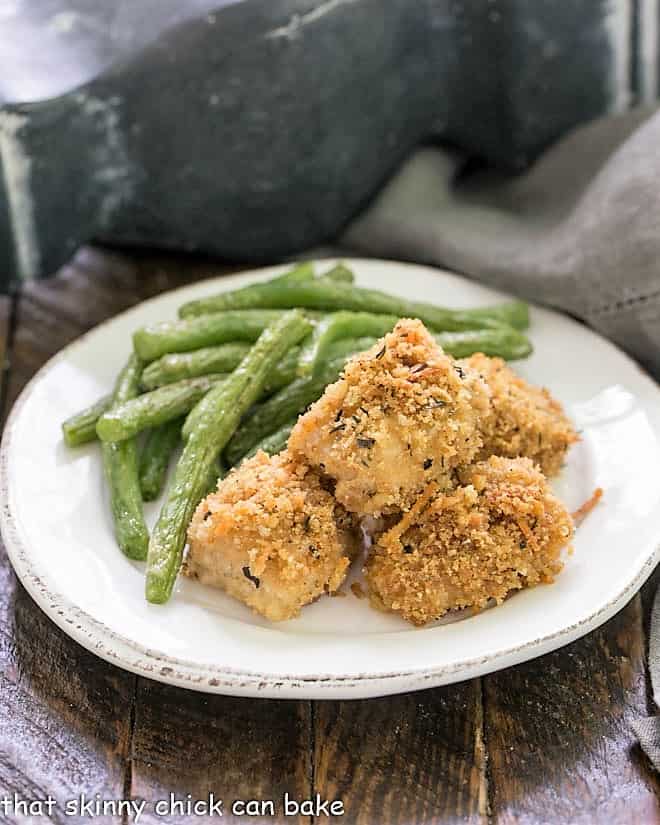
{"x": 648, "y": 730}
{"x": 580, "y": 231}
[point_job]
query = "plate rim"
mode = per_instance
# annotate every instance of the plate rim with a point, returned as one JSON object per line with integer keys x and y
{"x": 113, "y": 647}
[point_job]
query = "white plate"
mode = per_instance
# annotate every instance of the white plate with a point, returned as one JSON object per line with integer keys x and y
{"x": 56, "y": 526}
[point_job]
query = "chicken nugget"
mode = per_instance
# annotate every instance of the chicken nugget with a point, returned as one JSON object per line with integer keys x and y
{"x": 501, "y": 530}
{"x": 525, "y": 421}
{"x": 402, "y": 414}
{"x": 271, "y": 536}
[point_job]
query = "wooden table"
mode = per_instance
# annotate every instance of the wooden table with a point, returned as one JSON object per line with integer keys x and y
{"x": 547, "y": 741}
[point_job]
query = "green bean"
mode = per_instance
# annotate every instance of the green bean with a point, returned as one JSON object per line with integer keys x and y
{"x": 181, "y": 365}
{"x": 303, "y": 273}
{"x": 281, "y": 408}
{"x": 300, "y": 272}
{"x": 273, "y": 443}
{"x": 126, "y": 420}
{"x": 328, "y": 295}
{"x": 283, "y": 373}
{"x": 339, "y": 272}
{"x": 512, "y": 313}
{"x": 287, "y": 370}
{"x": 81, "y": 427}
{"x": 269, "y": 385}
{"x": 341, "y": 325}
{"x": 120, "y": 463}
{"x": 183, "y": 336}
{"x": 223, "y": 408}
{"x": 505, "y": 342}
{"x": 210, "y": 360}
{"x": 155, "y": 457}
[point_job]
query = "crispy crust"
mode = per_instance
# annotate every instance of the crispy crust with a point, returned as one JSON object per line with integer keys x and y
{"x": 501, "y": 530}
{"x": 402, "y": 414}
{"x": 525, "y": 421}
{"x": 271, "y": 536}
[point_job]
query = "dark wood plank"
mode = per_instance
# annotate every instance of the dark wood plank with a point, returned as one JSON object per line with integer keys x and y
{"x": 64, "y": 714}
{"x": 237, "y": 749}
{"x": 558, "y": 732}
{"x": 414, "y": 758}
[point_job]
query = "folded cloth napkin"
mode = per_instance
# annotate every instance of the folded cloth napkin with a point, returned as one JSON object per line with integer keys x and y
{"x": 580, "y": 231}
{"x": 648, "y": 730}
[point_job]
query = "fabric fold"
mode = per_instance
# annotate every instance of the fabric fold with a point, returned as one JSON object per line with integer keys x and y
{"x": 580, "y": 231}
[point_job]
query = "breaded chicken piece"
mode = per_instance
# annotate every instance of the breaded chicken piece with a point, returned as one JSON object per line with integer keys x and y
{"x": 402, "y": 414}
{"x": 526, "y": 420}
{"x": 271, "y": 536}
{"x": 501, "y": 530}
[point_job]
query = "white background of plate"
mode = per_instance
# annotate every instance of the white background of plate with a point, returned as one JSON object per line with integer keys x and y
{"x": 58, "y": 532}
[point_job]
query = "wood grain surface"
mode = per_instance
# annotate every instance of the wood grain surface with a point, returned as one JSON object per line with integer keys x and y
{"x": 418, "y": 757}
{"x": 558, "y": 731}
{"x": 545, "y": 742}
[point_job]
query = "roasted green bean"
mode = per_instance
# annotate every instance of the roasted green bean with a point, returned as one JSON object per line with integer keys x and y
{"x": 323, "y": 294}
{"x": 155, "y": 340}
{"x": 154, "y": 408}
{"x": 181, "y": 365}
{"x": 339, "y": 272}
{"x": 155, "y": 457}
{"x": 120, "y": 463}
{"x": 505, "y": 342}
{"x": 81, "y": 427}
{"x": 341, "y": 325}
{"x": 210, "y": 360}
{"x": 303, "y": 271}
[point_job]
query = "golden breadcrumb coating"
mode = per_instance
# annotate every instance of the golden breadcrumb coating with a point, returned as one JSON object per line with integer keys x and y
{"x": 271, "y": 536}
{"x": 402, "y": 414}
{"x": 526, "y": 420}
{"x": 502, "y": 530}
